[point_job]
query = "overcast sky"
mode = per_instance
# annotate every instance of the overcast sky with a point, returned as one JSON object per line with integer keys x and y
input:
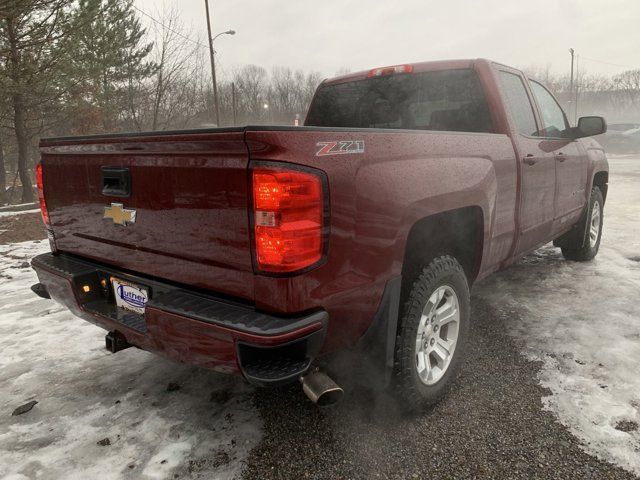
{"x": 332, "y": 35}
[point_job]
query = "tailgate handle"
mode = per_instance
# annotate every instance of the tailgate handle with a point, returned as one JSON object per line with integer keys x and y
{"x": 116, "y": 182}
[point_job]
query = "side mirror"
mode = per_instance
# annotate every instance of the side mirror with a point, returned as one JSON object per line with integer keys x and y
{"x": 590, "y": 127}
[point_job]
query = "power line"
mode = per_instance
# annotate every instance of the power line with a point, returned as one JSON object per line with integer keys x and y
{"x": 167, "y": 27}
{"x": 195, "y": 42}
{"x": 608, "y": 63}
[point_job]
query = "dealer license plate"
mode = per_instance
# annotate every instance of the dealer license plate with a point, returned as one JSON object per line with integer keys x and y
{"x": 129, "y": 295}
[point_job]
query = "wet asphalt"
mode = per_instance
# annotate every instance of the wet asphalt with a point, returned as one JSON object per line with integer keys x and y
{"x": 491, "y": 425}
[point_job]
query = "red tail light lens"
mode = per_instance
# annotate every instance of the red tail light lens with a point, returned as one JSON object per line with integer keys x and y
{"x": 43, "y": 203}
{"x": 289, "y": 219}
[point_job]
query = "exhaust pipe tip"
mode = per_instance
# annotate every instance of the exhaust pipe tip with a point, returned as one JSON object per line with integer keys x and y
{"x": 321, "y": 389}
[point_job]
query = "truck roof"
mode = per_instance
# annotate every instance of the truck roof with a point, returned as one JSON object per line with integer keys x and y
{"x": 417, "y": 67}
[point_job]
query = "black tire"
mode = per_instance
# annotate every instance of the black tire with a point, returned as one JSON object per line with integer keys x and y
{"x": 580, "y": 248}
{"x": 414, "y": 393}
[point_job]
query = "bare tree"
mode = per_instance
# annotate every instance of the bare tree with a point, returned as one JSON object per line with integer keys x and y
{"x": 629, "y": 81}
{"x": 284, "y": 92}
{"x": 311, "y": 82}
{"x": 177, "y": 58}
{"x": 627, "y": 85}
{"x": 251, "y": 82}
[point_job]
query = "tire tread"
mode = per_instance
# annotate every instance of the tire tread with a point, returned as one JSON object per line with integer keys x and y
{"x": 584, "y": 252}
{"x": 421, "y": 288}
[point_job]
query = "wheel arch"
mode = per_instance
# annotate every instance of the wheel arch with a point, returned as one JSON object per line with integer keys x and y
{"x": 601, "y": 180}
{"x": 459, "y": 233}
{"x": 577, "y": 235}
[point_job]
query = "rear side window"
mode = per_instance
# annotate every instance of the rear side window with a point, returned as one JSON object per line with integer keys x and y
{"x": 451, "y": 100}
{"x": 552, "y": 115}
{"x": 519, "y": 103}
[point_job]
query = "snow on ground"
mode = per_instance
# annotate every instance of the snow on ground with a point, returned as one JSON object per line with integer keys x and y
{"x": 11, "y": 214}
{"x": 204, "y": 429}
{"x": 582, "y": 320}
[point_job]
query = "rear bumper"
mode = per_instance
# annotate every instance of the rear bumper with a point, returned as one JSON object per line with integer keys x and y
{"x": 188, "y": 326}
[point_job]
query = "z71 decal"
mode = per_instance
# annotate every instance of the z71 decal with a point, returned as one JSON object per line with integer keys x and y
{"x": 340, "y": 147}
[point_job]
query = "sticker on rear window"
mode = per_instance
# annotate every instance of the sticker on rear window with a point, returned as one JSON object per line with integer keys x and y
{"x": 340, "y": 147}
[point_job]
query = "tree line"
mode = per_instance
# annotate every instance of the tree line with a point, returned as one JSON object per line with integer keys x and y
{"x": 75, "y": 67}
{"x": 616, "y": 97}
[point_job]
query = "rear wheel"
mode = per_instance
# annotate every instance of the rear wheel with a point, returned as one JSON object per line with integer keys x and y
{"x": 587, "y": 243}
{"x": 433, "y": 332}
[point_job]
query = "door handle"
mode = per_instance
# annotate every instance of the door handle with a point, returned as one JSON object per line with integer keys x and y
{"x": 116, "y": 182}
{"x": 529, "y": 159}
{"x": 560, "y": 157}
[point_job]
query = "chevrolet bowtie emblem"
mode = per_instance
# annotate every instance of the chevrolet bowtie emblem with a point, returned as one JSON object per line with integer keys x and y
{"x": 119, "y": 214}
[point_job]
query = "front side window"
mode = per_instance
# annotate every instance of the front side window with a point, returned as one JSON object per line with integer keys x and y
{"x": 451, "y": 100}
{"x": 552, "y": 115}
{"x": 519, "y": 103}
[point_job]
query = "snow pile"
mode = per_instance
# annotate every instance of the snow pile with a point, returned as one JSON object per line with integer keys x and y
{"x": 203, "y": 426}
{"x": 582, "y": 320}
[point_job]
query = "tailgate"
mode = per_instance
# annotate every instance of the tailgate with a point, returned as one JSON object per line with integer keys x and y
{"x": 189, "y": 194}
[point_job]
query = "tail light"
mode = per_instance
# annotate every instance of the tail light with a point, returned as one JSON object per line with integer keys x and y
{"x": 43, "y": 203}
{"x": 289, "y": 218}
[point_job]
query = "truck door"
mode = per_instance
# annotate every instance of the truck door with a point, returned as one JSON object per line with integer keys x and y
{"x": 570, "y": 159}
{"x": 536, "y": 164}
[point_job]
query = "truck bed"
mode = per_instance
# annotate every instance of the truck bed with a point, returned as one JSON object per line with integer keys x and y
{"x": 190, "y": 193}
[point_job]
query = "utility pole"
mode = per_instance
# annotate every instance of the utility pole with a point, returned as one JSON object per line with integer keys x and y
{"x": 233, "y": 103}
{"x": 572, "y": 52}
{"x": 577, "y": 88}
{"x": 213, "y": 65}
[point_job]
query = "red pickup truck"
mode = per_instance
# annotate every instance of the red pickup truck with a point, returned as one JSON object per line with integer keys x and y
{"x": 274, "y": 251}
